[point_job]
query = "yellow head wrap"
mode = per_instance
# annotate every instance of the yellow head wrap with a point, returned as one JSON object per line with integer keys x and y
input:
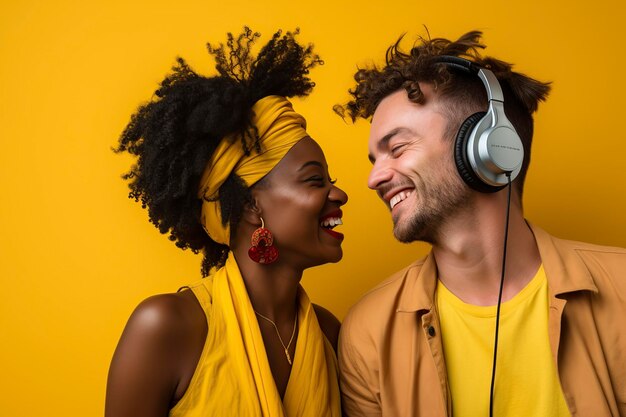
{"x": 279, "y": 128}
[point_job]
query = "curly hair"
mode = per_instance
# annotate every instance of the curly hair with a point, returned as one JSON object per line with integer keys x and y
{"x": 175, "y": 134}
{"x": 459, "y": 93}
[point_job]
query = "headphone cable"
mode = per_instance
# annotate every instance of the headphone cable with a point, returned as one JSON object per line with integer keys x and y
{"x": 495, "y": 344}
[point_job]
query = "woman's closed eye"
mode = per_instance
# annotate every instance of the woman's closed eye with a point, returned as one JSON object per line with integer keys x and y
{"x": 317, "y": 179}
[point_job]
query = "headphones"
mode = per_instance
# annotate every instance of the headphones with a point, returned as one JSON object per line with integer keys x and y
{"x": 487, "y": 149}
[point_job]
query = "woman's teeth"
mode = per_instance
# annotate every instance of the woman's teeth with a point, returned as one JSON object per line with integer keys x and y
{"x": 331, "y": 222}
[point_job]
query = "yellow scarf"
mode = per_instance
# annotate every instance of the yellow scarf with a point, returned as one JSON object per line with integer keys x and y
{"x": 233, "y": 376}
{"x": 279, "y": 128}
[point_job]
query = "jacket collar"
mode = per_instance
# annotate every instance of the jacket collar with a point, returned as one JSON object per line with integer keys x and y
{"x": 565, "y": 270}
{"x": 419, "y": 287}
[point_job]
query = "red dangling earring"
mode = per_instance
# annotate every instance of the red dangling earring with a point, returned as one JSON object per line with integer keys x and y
{"x": 263, "y": 251}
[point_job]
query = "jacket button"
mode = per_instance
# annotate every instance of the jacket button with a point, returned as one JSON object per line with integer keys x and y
{"x": 431, "y": 331}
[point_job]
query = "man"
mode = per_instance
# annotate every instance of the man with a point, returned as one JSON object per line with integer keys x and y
{"x": 423, "y": 343}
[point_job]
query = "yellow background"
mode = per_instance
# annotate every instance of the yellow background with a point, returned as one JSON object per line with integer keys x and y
{"x": 77, "y": 255}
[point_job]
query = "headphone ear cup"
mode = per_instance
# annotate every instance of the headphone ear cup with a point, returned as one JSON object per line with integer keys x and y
{"x": 461, "y": 160}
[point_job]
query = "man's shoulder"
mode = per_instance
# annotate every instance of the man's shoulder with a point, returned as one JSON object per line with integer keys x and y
{"x": 586, "y": 249}
{"x": 605, "y": 263}
{"x": 591, "y": 251}
{"x": 572, "y": 265}
{"x": 391, "y": 285}
{"x": 580, "y": 246}
{"x": 382, "y": 301}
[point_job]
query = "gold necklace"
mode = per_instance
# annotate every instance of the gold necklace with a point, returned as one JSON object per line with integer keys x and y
{"x": 295, "y": 322}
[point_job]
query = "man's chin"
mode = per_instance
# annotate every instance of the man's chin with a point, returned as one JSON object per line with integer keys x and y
{"x": 411, "y": 234}
{"x": 402, "y": 234}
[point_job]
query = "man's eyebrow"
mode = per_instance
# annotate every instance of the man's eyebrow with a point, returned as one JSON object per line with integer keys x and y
{"x": 384, "y": 141}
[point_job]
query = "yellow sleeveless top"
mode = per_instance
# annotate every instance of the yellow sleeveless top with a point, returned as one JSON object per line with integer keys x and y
{"x": 526, "y": 383}
{"x": 233, "y": 376}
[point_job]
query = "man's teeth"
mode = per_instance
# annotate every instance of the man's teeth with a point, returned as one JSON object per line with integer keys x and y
{"x": 399, "y": 197}
{"x": 331, "y": 222}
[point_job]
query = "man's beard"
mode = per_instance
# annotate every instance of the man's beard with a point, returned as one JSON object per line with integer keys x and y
{"x": 436, "y": 204}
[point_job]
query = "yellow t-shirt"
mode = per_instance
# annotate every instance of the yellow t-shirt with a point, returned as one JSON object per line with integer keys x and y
{"x": 527, "y": 383}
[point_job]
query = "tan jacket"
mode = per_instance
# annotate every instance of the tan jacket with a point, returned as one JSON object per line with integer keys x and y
{"x": 390, "y": 350}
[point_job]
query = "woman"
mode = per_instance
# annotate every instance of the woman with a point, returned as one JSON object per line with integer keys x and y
{"x": 226, "y": 167}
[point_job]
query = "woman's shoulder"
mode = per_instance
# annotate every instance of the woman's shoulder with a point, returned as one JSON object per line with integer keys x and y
{"x": 171, "y": 326}
{"x": 167, "y": 316}
{"x": 329, "y": 323}
{"x": 166, "y": 326}
{"x": 157, "y": 353}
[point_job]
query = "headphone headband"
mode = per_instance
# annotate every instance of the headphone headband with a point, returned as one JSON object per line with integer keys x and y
{"x": 487, "y": 149}
{"x": 458, "y": 63}
{"x": 494, "y": 91}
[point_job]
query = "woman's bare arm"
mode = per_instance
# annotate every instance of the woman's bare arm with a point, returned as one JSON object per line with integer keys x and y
{"x": 156, "y": 356}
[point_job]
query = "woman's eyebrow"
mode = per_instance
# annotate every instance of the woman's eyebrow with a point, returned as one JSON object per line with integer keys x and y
{"x": 309, "y": 163}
